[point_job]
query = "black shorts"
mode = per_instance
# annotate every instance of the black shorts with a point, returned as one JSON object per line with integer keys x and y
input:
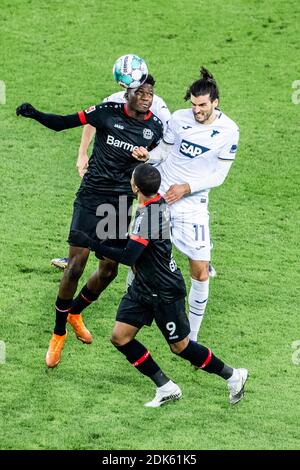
{"x": 171, "y": 318}
{"x": 102, "y": 216}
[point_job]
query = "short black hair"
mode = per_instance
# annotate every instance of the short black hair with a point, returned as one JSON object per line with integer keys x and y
{"x": 147, "y": 179}
{"x": 150, "y": 80}
{"x": 206, "y": 85}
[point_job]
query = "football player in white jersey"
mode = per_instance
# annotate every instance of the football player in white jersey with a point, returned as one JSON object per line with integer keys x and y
{"x": 197, "y": 152}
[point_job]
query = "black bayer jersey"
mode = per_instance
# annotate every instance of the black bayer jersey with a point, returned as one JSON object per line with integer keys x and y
{"x": 156, "y": 272}
{"x": 148, "y": 250}
{"x": 117, "y": 134}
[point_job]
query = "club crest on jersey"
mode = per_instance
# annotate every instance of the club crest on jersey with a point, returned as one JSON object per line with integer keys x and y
{"x": 192, "y": 150}
{"x": 214, "y": 132}
{"x": 147, "y": 134}
{"x": 90, "y": 109}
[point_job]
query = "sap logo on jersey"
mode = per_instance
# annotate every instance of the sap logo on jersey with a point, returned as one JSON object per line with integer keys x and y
{"x": 120, "y": 143}
{"x": 192, "y": 150}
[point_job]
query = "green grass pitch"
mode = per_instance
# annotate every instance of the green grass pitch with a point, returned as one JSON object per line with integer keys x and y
{"x": 59, "y": 56}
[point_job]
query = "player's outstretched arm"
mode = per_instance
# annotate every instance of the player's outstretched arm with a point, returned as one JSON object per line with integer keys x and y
{"x": 55, "y": 122}
{"x": 128, "y": 255}
{"x": 26, "y": 110}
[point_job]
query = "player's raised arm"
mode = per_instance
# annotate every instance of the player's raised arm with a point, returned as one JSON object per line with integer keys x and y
{"x": 55, "y": 122}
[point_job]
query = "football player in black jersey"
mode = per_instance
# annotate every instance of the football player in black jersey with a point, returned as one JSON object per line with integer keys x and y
{"x": 120, "y": 127}
{"x": 157, "y": 293}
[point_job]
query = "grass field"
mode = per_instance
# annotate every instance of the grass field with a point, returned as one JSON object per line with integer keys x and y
{"x": 59, "y": 56}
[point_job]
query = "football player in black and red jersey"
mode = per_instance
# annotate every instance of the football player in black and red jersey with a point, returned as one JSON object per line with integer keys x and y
{"x": 156, "y": 293}
{"x": 120, "y": 127}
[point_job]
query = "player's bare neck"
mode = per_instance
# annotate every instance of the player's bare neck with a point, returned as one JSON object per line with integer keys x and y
{"x": 135, "y": 114}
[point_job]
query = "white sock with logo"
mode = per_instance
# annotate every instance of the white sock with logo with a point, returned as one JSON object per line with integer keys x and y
{"x": 198, "y": 298}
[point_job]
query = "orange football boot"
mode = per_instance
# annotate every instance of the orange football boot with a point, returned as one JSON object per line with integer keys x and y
{"x": 54, "y": 351}
{"x": 80, "y": 330}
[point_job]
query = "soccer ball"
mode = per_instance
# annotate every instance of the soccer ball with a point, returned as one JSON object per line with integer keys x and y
{"x": 130, "y": 71}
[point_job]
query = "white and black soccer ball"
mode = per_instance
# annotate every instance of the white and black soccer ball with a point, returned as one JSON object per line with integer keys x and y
{"x": 130, "y": 71}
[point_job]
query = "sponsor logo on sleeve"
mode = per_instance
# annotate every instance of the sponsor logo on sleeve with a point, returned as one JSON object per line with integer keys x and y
{"x": 90, "y": 109}
{"x": 233, "y": 149}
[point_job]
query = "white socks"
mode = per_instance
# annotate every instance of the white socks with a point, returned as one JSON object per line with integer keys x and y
{"x": 198, "y": 298}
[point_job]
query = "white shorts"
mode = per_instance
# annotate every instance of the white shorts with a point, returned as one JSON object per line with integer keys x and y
{"x": 190, "y": 233}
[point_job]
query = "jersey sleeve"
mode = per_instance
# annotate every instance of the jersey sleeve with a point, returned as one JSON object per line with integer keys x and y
{"x": 170, "y": 132}
{"x": 128, "y": 255}
{"x": 162, "y": 111}
{"x": 92, "y": 115}
{"x": 229, "y": 149}
{"x": 118, "y": 97}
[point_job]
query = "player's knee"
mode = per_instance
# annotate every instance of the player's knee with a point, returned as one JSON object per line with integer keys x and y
{"x": 203, "y": 277}
{"x": 74, "y": 269}
{"x": 199, "y": 270}
{"x": 108, "y": 270}
{"x": 119, "y": 340}
{"x": 178, "y": 347}
{"x": 202, "y": 274}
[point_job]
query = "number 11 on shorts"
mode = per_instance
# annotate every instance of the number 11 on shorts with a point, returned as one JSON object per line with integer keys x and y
{"x": 199, "y": 231}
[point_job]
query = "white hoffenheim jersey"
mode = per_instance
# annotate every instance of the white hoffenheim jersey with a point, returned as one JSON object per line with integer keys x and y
{"x": 195, "y": 152}
{"x": 159, "y": 107}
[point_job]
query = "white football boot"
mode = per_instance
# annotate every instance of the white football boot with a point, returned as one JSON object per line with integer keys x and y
{"x": 236, "y": 388}
{"x": 164, "y": 396}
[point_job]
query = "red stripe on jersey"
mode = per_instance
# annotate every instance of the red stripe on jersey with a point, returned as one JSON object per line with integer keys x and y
{"x": 141, "y": 240}
{"x": 82, "y": 117}
{"x": 141, "y": 359}
{"x": 148, "y": 116}
{"x": 207, "y": 360}
{"x": 153, "y": 199}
